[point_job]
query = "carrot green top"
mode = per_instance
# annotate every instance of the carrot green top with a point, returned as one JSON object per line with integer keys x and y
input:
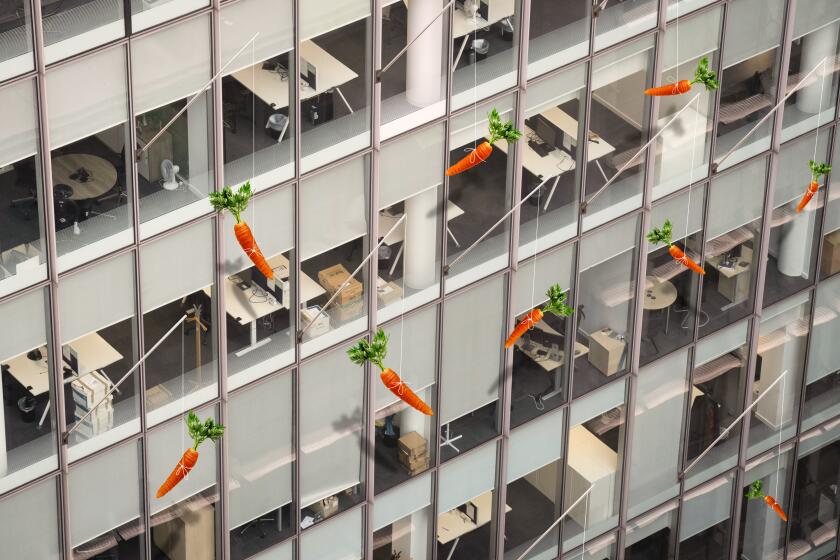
{"x": 201, "y": 431}
{"x": 557, "y": 302}
{"x": 705, "y": 76}
{"x": 235, "y": 202}
{"x": 661, "y": 235}
{"x": 500, "y": 130}
{"x": 818, "y": 169}
{"x": 755, "y": 491}
{"x": 374, "y": 351}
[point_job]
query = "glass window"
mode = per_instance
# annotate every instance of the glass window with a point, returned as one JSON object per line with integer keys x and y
{"x": 554, "y": 111}
{"x": 27, "y": 451}
{"x": 762, "y": 530}
{"x": 467, "y": 506}
{"x": 618, "y": 21}
{"x": 657, "y": 432}
{"x": 334, "y": 242}
{"x": 472, "y": 336}
{"x": 793, "y": 243}
{"x": 670, "y": 302}
{"x": 16, "y": 38}
{"x": 414, "y": 88}
{"x": 181, "y": 373}
{"x": 184, "y": 523}
{"x": 22, "y": 248}
{"x": 285, "y": 551}
{"x": 749, "y": 76}
{"x": 815, "y": 45}
{"x": 601, "y": 548}
{"x": 99, "y": 345}
{"x": 618, "y": 126}
{"x": 340, "y": 539}
{"x": 118, "y": 528}
{"x": 80, "y": 26}
{"x": 410, "y": 173}
{"x": 485, "y": 39}
{"x": 88, "y": 131}
{"x": 147, "y": 13}
{"x": 331, "y": 435}
{"x": 257, "y": 123}
{"x": 604, "y": 312}
{"x": 653, "y": 535}
{"x": 822, "y": 392}
{"x": 260, "y": 326}
{"x": 813, "y": 516}
{"x": 534, "y": 482}
{"x": 540, "y": 369}
{"x": 478, "y": 198}
{"x": 402, "y": 520}
{"x": 259, "y": 438}
{"x": 403, "y": 434}
{"x": 557, "y": 35}
{"x": 830, "y": 256}
{"x": 682, "y": 151}
{"x": 733, "y": 229}
{"x": 334, "y": 79}
{"x": 705, "y": 525}
{"x": 174, "y": 169}
{"x": 718, "y": 384}
{"x": 782, "y": 342}
{"x": 679, "y": 7}
{"x": 596, "y": 453}
{"x": 22, "y": 538}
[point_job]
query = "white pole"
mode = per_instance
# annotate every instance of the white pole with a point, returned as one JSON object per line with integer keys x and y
{"x": 423, "y": 62}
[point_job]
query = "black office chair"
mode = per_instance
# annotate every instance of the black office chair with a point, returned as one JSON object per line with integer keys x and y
{"x": 25, "y": 178}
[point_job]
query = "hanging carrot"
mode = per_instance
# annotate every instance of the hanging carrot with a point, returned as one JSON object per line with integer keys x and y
{"x": 556, "y": 304}
{"x": 236, "y": 203}
{"x": 498, "y": 131}
{"x": 755, "y": 493}
{"x": 375, "y": 351}
{"x": 701, "y": 76}
{"x": 663, "y": 235}
{"x": 817, "y": 171}
{"x": 199, "y": 432}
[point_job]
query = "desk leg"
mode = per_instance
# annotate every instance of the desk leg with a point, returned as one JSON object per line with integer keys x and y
{"x": 254, "y": 343}
{"x": 44, "y": 415}
{"x": 460, "y": 52}
{"x": 452, "y": 235}
{"x": 551, "y": 193}
{"x": 452, "y": 550}
{"x": 667, "y": 318}
{"x": 397, "y": 259}
{"x": 349, "y": 108}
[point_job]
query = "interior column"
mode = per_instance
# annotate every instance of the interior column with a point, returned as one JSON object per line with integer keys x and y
{"x": 795, "y": 243}
{"x": 423, "y": 60}
{"x": 815, "y": 47}
{"x": 421, "y": 240}
{"x": 197, "y": 145}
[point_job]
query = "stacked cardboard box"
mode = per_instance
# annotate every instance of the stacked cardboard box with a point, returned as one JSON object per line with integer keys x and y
{"x": 388, "y": 292}
{"x": 322, "y": 322}
{"x": 413, "y": 453}
{"x": 89, "y": 390}
{"x": 333, "y": 277}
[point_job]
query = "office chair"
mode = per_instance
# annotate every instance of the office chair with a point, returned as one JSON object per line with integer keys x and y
{"x": 25, "y": 177}
{"x": 258, "y": 524}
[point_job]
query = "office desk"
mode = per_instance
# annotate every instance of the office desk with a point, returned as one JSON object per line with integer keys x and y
{"x": 103, "y": 175}
{"x": 94, "y": 353}
{"x": 268, "y": 86}
{"x": 33, "y": 375}
{"x": 309, "y": 288}
{"x": 544, "y": 361}
{"x": 462, "y": 24}
{"x": 733, "y": 283}
{"x": 660, "y": 295}
{"x": 386, "y": 222}
{"x": 591, "y": 461}
{"x": 452, "y": 525}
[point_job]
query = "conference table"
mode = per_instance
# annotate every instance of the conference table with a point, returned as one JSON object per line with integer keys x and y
{"x": 88, "y": 176}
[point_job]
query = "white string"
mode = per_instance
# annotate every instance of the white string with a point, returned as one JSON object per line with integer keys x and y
{"x": 475, "y": 80}
{"x": 402, "y": 299}
{"x": 819, "y": 111}
{"x": 779, "y": 450}
{"x": 585, "y": 523}
{"x": 536, "y": 248}
{"x": 183, "y": 388}
{"x": 253, "y": 128}
{"x": 691, "y": 168}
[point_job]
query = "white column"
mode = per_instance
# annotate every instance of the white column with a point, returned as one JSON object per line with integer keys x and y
{"x": 423, "y": 60}
{"x": 421, "y": 240}
{"x": 815, "y": 47}
{"x": 4, "y": 465}
{"x": 794, "y": 244}
{"x": 198, "y": 146}
{"x": 401, "y": 537}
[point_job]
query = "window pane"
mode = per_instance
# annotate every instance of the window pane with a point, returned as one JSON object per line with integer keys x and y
{"x": 676, "y": 8}
{"x": 19, "y": 536}
{"x": 556, "y": 36}
{"x": 704, "y": 523}
{"x": 88, "y": 130}
{"x": 16, "y": 38}
{"x": 402, "y": 521}
{"x": 601, "y": 548}
{"x": 830, "y": 258}
{"x": 147, "y": 13}
{"x": 478, "y": 198}
{"x": 27, "y": 451}
{"x": 619, "y": 123}
{"x": 338, "y": 540}
{"x": 335, "y": 79}
{"x": 73, "y": 28}
{"x": 554, "y": 110}
{"x": 259, "y": 435}
{"x": 260, "y": 326}
{"x": 621, "y": 20}
{"x": 485, "y": 48}
{"x": 471, "y": 343}
{"x": 181, "y": 373}
{"x": 653, "y": 535}
{"x": 258, "y": 130}
{"x": 22, "y": 248}
{"x": 822, "y": 392}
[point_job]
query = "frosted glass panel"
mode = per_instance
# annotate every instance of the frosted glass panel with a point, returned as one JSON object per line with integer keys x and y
{"x": 338, "y": 539}
{"x": 467, "y": 477}
{"x": 403, "y": 500}
{"x": 535, "y": 445}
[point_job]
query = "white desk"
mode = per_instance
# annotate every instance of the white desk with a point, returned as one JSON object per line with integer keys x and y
{"x": 591, "y": 461}
{"x": 33, "y": 375}
{"x": 269, "y": 87}
{"x": 462, "y": 24}
{"x": 546, "y": 363}
{"x": 452, "y": 525}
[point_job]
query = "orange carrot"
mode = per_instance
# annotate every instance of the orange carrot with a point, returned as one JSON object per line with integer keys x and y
{"x": 556, "y": 304}
{"x": 755, "y": 493}
{"x": 199, "y": 431}
{"x": 772, "y": 503}
{"x": 375, "y": 351}
{"x": 663, "y": 235}
{"x": 236, "y": 203}
{"x": 702, "y": 75}
{"x": 817, "y": 171}
{"x": 498, "y": 131}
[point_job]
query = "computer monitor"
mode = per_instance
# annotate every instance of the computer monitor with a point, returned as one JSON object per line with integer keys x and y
{"x": 308, "y": 73}
{"x": 549, "y": 133}
{"x": 469, "y": 509}
{"x": 71, "y": 357}
{"x": 484, "y": 9}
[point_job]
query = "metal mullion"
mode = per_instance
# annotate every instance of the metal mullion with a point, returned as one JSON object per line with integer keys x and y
{"x": 295, "y": 317}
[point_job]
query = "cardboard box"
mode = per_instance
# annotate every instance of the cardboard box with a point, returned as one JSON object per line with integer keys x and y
{"x": 322, "y": 323}
{"x": 605, "y": 351}
{"x": 416, "y": 466}
{"x": 413, "y": 445}
{"x": 89, "y": 389}
{"x": 333, "y": 277}
{"x": 325, "y": 507}
{"x": 830, "y": 263}
{"x": 348, "y": 311}
{"x": 387, "y": 292}
{"x": 157, "y": 396}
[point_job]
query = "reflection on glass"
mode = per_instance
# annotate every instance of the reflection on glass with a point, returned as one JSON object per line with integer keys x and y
{"x": 340, "y": 539}
{"x": 402, "y": 520}
{"x": 79, "y": 26}
{"x": 21, "y": 537}
{"x": 822, "y": 392}
{"x": 146, "y": 13}
{"x": 652, "y": 536}
{"x": 16, "y": 38}
{"x": 601, "y": 548}
{"x": 705, "y": 526}
{"x": 621, "y": 20}
{"x": 676, "y": 8}
{"x": 556, "y": 36}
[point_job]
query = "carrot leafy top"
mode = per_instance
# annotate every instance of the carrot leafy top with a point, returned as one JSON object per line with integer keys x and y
{"x": 705, "y": 76}
{"x": 201, "y": 431}
{"x": 557, "y": 302}
{"x": 661, "y": 235}
{"x": 755, "y": 491}
{"x": 500, "y": 130}
{"x": 374, "y": 351}
{"x": 818, "y": 169}
{"x": 235, "y": 202}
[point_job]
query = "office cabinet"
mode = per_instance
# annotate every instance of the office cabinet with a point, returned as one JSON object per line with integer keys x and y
{"x": 149, "y": 165}
{"x": 190, "y": 535}
{"x": 591, "y": 461}
{"x": 830, "y": 263}
{"x": 606, "y": 351}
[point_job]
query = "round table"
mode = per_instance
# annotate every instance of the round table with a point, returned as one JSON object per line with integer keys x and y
{"x": 88, "y": 175}
{"x": 660, "y": 295}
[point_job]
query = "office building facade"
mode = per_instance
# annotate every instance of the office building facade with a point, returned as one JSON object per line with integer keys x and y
{"x": 631, "y": 429}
